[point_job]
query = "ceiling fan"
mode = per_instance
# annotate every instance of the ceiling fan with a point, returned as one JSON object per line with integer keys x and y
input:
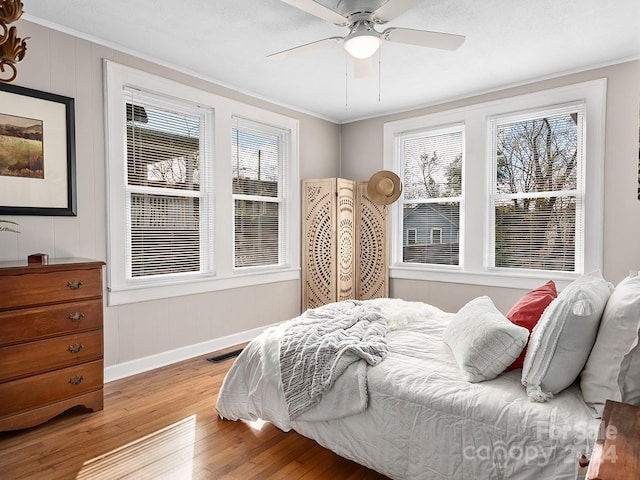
{"x": 361, "y": 16}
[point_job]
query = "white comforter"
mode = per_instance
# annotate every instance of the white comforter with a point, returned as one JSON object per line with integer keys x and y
{"x": 421, "y": 419}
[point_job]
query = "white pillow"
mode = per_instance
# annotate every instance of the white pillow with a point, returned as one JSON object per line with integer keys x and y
{"x": 483, "y": 341}
{"x": 561, "y": 341}
{"x": 613, "y": 369}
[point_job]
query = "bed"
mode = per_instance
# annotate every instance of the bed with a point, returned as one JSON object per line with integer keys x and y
{"x": 414, "y": 414}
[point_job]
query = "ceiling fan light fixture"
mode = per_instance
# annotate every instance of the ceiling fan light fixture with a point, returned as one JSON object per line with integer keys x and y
{"x": 362, "y": 46}
{"x": 363, "y": 40}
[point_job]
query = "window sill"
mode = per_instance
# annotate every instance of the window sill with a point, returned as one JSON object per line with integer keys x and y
{"x": 147, "y": 292}
{"x": 519, "y": 280}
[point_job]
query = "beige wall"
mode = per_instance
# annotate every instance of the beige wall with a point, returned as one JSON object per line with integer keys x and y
{"x": 61, "y": 64}
{"x": 362, "y": 155}
{"x": 65, "y": 65}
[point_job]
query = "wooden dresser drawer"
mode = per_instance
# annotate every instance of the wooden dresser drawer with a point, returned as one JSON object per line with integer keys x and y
{"x": 40, "y": 322}
{"x": 38, "y": 390}
{"x": 45, "y": 355}
{"x": 39, "y": 288}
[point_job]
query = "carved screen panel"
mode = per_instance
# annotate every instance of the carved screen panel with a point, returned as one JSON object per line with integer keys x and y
{"x": 372, "y": 272}
{"x": 319, "y": 242}
{"x": 346, "y": 239}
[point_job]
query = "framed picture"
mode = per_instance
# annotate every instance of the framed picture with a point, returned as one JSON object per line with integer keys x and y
{"x": 37, "y": 153}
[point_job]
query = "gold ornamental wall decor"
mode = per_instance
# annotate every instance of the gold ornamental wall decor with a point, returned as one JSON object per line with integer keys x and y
{"x": 12, "y": 47}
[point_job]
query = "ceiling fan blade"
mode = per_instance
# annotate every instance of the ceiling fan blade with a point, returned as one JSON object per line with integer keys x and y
{"x": 318, "y": 10}
{"x": 304, "y": 48}
{"x": 393, "y": 9}
{"x": 424, "y": 38}
{"x": 362, "y": 67}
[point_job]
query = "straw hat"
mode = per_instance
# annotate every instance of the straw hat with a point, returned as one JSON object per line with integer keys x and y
{"x": 384, "y": 187}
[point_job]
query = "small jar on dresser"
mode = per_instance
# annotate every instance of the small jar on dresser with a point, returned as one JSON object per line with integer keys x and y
{"x": 51, "y": 342}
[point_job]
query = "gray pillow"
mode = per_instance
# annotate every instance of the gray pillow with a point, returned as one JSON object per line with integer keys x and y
{"x": 483, "y": 341}
{"x": 561, "y": 341}
{"x": 613, "y": 369}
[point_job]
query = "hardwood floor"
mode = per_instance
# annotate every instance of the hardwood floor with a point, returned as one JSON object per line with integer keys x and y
{"x": 162, "y": 424}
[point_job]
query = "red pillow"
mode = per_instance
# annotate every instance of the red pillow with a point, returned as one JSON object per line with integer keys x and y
{"x": 527, "y": 311}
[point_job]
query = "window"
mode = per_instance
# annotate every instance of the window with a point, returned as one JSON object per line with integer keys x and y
{"x": 431, "y": 162}
{"x": 516, "y": 198}
{"x": 436, "y": 235}
{"x": 258, "y": 190}
{"x": 165, "y": 198}
{"x": 201, "y": 190}
{"x": 537, "y": 189}
{"x": 412, "y": 236}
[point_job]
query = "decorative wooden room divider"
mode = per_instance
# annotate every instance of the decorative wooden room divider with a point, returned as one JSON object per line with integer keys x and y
{"x": 372, "y": 272}
{"x": 344, "y": 243}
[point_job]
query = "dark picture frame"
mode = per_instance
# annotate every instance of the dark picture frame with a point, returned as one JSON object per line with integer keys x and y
{"x": 37, "y": 152}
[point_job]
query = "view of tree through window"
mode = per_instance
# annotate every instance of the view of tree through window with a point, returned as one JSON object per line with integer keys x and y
{"x": 536, "y": 191}
{"x": 432, "y": 178}
{"x": 523, "y": 178}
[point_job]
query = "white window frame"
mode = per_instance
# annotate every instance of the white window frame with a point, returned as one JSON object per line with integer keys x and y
{"x": 579, "y": 192}
{"x": 221, "y": 274}
{"x": 399, "y": 166}
{"x": 474, "y": 229}
{"x": 280, "y": 200}
{"x": 204, "y": 194}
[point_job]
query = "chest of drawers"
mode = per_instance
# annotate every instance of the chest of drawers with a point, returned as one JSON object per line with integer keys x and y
{"x": 51, "y": 342}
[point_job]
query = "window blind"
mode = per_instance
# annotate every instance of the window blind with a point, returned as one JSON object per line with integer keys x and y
{"x": 164, "y": 141}
{"x": 258, "y": 185}
{"x": 537, "y": 200}
{"x": 431, "y": 212}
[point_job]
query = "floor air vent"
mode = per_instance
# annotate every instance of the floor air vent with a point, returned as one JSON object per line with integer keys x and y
{"x": 224, "y": 356}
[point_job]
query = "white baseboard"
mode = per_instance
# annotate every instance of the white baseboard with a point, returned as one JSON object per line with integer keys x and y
{"x": 133, "y": 367}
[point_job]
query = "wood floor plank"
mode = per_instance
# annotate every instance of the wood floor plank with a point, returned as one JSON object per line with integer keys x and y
{"x": 163, "y": 424}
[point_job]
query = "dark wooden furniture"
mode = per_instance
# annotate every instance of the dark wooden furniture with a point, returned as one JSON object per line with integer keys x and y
{"x": 50, "y": 339}
{"x": 616, "y": 455}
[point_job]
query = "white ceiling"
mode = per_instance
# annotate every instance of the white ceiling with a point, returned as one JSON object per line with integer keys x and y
{"x": 508, "y": 42}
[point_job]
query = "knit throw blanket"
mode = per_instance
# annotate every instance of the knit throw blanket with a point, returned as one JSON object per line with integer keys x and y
{"x": 317, "y": 347}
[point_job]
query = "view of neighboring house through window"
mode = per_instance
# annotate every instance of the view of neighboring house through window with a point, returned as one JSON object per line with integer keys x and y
{"x": 257, "y": 153}
{"x": 164, "y": 142}
{"x": 504, "y": 193}
{"x": 536, "y": 199}
{"x": 203, "y": 190}
{"x": 431, "y": 164}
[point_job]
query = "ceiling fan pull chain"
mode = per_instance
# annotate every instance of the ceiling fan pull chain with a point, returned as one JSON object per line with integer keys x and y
{"x": 346, "y": 83}
{"x": 379, "y": 73}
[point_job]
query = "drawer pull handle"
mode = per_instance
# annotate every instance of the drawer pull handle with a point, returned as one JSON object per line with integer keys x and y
{"x": 74, "y": 284}
{"x": 76, "y": 317}
{"x": 76, "y": 380}
{"x": 76, "y": 347}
